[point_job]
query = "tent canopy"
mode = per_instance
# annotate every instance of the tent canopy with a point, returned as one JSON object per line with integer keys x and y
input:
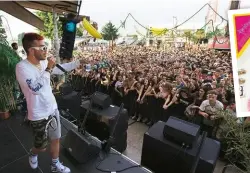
{"x": 59, "y": 6}
{"x": 17, "y": 9}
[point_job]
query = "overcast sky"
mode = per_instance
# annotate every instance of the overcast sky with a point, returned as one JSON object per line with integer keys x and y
{"x": 155, "y": 13}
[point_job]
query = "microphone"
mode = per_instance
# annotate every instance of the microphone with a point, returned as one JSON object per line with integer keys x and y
{"x": 59, "y": 66}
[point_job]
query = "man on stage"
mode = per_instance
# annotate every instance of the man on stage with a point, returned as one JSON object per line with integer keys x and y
{"x": 33, "y": 75}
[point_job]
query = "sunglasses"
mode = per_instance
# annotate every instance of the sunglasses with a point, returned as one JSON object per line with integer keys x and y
{"x": 41, "y": 48}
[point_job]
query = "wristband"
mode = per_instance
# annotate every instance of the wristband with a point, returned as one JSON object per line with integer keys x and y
{"x": 48, "y": 70}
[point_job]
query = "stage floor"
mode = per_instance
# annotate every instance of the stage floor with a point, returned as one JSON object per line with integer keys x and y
{"x": 16, "y": 140}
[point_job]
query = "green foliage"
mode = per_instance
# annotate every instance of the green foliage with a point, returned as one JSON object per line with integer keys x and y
{"x": 8, "y": 61}
{"x": 200, "y": 33}
{"x": 110, "y": 32}
{"x": 79, "y": 30}
{"x": 235, "y": 141}
{"x": 188, "y": 35}
{"x": 3, "y": 35}
{"x": 49, "y": 25}
{"x": 217, "y": 32}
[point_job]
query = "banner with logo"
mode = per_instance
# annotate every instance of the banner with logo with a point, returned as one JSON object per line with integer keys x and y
{"x": 239, "y": 27}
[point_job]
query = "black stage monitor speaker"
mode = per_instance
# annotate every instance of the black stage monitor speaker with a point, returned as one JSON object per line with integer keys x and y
{"x": 208, "y": 156}
{"x": 164, "y": 156}
{"x": 70, "y": 102}
{"x": 101, "y": 100}
{"x": 101, "y": 123}
{"x": 65, "y": 89}
{"x": 80, "y": 148}
{"x": 181, "y": 131}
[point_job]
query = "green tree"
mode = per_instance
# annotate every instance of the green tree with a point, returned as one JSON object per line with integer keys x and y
{"x": 200, "y": 33}
{"x": 3, "y": 35}
{"x": 217, "y": 32}
{"x": 79, "y": 30}
{"x": 110, "y": 32}
{"x": 49, "y": 25}
{"x": 188, "y": 35}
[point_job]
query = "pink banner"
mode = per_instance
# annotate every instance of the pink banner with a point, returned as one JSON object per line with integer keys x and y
{"x": 219, "y": 42}
{"x": 242, "y": 28}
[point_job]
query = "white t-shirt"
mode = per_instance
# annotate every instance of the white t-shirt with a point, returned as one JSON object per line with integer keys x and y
{"x": 35, "y": 85}
{"x": 211, "y": 110}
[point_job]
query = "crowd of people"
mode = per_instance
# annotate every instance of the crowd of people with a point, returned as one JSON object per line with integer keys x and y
{"x": 191, "y": 84}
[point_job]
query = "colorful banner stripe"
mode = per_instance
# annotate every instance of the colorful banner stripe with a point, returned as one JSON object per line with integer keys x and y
{"x": 241, "y": 33}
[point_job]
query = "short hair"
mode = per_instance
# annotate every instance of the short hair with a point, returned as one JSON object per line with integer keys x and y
{"x": 212, "y": 92}
{"x": 13, "y": 44}
{"x": 28, "y": 40}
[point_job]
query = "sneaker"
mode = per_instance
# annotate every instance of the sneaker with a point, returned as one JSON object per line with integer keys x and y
{"x": 134, "y": 117}
{"x": 139, "y": 119}
{"x": 59, "y": 168}
{"x": 33, "y": 161}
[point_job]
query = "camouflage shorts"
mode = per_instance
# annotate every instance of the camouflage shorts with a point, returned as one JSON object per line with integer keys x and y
{"x": 46, "y": 129}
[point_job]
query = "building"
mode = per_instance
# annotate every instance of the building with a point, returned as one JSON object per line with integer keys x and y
{"x": 174, "y": 38}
